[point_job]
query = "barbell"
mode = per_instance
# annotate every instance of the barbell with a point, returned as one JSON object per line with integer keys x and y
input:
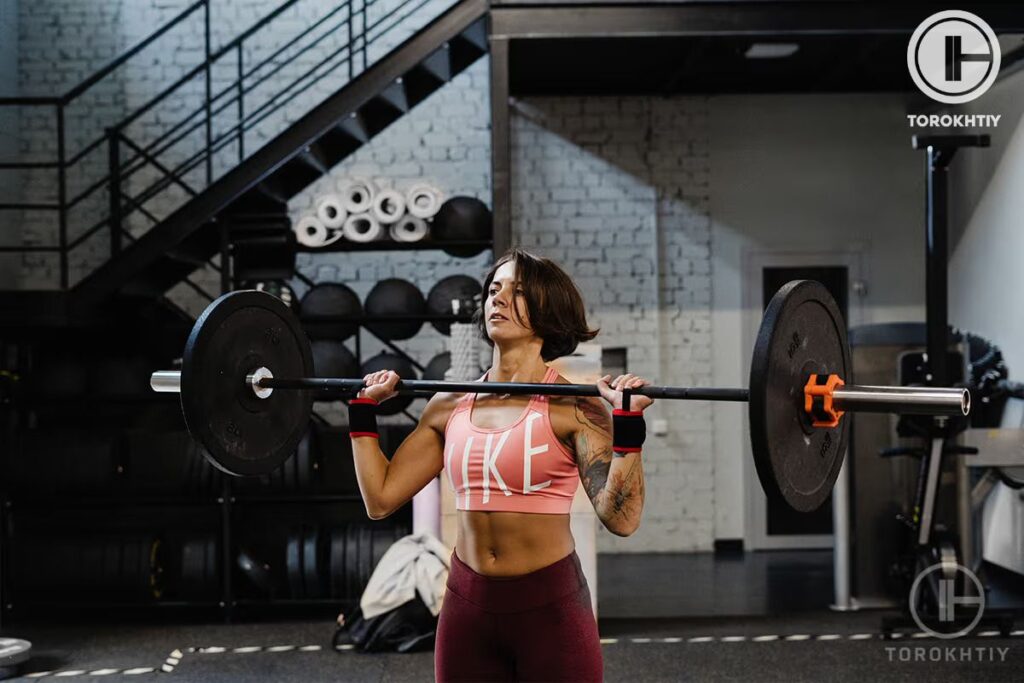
{"x": 247, "y": 391}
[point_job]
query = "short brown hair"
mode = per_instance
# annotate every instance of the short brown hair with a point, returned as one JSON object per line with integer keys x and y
{"x": 553, "y": 303}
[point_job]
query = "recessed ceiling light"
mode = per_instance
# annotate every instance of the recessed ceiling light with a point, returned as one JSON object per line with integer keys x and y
{"x": 770, "y": 50}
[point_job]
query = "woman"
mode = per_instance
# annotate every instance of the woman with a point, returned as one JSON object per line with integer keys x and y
{"x": 517, "y": 605}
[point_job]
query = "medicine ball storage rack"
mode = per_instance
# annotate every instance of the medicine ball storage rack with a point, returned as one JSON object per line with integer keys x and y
{"x": 327, "y": 561}
{"x": 187, "y": 528}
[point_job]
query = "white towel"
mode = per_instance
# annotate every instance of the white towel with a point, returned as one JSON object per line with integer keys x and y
{"x": 417, "y": 563}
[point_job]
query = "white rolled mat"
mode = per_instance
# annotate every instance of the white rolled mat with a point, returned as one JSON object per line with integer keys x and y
{"x": 362, "y": 227}
{"x": 310, "y": 232}
{"x": 388, "y": 206}
{"x": 423, "y": 200}
{"x": 409, "y": 229}
{"x": 357, "y": 196}
{"x": 330, "y": 209}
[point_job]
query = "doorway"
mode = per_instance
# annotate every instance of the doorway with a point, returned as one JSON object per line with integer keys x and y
{"x": 770, "y": 524}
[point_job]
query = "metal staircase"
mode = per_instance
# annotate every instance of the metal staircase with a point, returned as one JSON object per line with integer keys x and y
{"x": 254, "y": 193}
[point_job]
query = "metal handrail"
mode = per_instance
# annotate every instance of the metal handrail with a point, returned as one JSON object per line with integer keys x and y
{"x": 151, "y": 152}
{"x": 118, "y": 61}
{"x": 131, "y": 170}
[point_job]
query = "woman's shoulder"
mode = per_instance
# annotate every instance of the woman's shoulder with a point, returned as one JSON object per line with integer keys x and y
{"x": 440, "y": 407}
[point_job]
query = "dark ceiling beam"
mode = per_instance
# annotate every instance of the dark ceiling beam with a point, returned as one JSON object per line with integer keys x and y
{"x": 548, "y": 20}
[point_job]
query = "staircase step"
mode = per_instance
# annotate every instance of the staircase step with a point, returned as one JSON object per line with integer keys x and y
{"x": 180, "y": 256}
{"x": 254, "y": 195}
{"x": 316, "y": 158}
{"x": 476, "y": 33}
{"x": 420, "y": 84}
{"x": 354, "y": 125}
{"x": 292, "y": 177}
{"x": 395, "y": 95}
{"x": 337, "y": 144}
{"x": 378, "y": 114}
{"x": 255, "y": 201}
{"x": 439, "y": 63}
{"x": 464, "y": 53}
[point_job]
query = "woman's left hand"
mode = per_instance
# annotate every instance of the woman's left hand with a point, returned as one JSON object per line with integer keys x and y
{"x": 611, "y": 390}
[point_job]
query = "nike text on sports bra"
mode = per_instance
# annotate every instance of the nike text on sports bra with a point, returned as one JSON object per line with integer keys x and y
{"x": 519, "y": 468}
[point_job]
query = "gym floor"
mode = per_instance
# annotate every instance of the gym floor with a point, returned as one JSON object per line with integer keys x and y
{"x": 747, "y": 633}
{"x": 821, "y": 646}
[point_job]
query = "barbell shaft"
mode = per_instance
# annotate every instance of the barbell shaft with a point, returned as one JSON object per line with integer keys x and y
{"x": 428, "y": 386}
{"x": 166, "y": 381}
{"x": 878, "y": 399}
{"x": 906, "y": 400}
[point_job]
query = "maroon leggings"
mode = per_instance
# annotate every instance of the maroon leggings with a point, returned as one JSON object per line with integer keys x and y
{"x": 534, "y": 627}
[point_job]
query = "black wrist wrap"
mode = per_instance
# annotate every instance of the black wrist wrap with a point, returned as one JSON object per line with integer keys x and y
{"x": 628, "y": 431}
{"x": 362, "y": 418}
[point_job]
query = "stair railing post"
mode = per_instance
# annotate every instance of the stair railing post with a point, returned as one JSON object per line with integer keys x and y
{"x": 362, "y": 30}
{"x": 62, "y": 209}
{"x": 241, "y": 107}
{"x": 351, "y": 42}
{"x": 209, "y": 94}
{"x": 114, "y": 193}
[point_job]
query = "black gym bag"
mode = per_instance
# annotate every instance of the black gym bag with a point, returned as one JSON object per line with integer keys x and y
{"x": 407, "y": 628}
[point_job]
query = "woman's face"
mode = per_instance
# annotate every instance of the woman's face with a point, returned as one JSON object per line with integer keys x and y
{"x": 505, "y": 306}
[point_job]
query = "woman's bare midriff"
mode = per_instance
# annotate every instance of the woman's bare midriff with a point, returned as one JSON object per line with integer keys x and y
{"x": 512, "y": 543}
{"x": 509, "y": 543}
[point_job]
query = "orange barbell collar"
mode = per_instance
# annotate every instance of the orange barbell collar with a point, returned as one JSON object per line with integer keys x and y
{"x": 818, "y": 400}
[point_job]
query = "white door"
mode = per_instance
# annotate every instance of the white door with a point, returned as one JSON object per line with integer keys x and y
{"x": 771, "y": 527}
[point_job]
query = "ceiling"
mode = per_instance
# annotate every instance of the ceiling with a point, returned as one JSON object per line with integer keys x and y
{"x": 670, "y": 65}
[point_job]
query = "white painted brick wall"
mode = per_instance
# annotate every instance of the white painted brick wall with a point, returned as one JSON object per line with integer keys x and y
{"x": 615, "y": 189}
{"x": 10, "y": 180}
{"x": 66, "y": 40}
{"x": 444, "y": 141}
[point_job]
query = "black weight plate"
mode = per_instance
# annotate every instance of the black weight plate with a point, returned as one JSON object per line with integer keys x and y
{"x": 365, "y": 557}
{"x": 212, "y": 567}
{"x": 193, "y": 560}
{"x": 352, "y": 560}
{"x": 290, "y": 472}
{"x": 310, "y": 563}
{"x": 293, "y": 560}
{"x": 802, "y": 333}
{"x": 236, "y": 334}
{"x": 383, "y": 538}
{"x": 304, "y": 460}
{"x": 256, "y": 571}
{"x": 337, "y": 563}
{"x": 156, "y": 568}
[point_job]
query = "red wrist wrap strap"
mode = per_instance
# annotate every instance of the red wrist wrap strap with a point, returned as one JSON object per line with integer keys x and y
{"x": 628, "y": 431}
{"x": 362, "y": 418}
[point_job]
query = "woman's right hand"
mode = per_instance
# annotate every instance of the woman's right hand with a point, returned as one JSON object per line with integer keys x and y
{"x": 380, "y": 385}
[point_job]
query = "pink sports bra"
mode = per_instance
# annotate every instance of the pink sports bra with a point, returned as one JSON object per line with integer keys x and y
{"x": 519, "y": 468}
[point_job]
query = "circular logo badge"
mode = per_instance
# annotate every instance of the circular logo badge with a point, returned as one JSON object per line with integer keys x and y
{"x": 947, "y": 601}
{"x": 953, "y": 56}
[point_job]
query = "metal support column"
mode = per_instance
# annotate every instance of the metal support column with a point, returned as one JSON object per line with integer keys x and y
{"x": 501, "y": 147}
{"x": 936, "y": 262}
